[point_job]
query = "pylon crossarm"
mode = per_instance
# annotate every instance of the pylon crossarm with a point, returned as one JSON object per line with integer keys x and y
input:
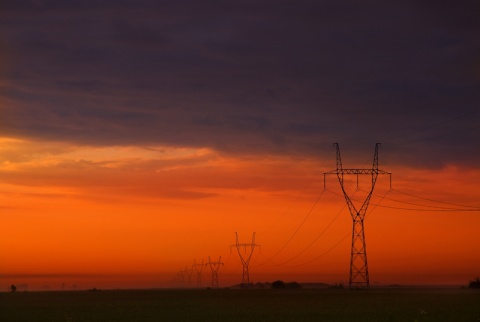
{"x": 357, "y": 171}
{"x": 341, "y": 172}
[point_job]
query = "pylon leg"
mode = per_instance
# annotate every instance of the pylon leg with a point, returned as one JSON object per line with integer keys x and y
{"x": 214, "y": 279}
{"x": 358, "y": 257}
{"x": 199, "y": 279}
{"x": 245, "y": 276}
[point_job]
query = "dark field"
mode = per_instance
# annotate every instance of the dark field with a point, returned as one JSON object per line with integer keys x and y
{"x": 244, "y": 305}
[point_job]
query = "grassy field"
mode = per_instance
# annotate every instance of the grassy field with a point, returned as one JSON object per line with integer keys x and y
{"x": 244, "y": 305}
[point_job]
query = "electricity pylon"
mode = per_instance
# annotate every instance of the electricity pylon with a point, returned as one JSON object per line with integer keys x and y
{"x": 358, "y": 256}
{"x": 181, "y": 278}
{"x": 198, "y": 268}
{"x": 214, "y": 267}
{"x": 188, "y": 273}
{"x": 248, "y": 255}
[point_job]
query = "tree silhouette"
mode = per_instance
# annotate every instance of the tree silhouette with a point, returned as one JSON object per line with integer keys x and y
{"x": 278, "y": 285}
{"x": 293, "y": 286}
{"x": 474, "y": 283}
{"x": 13, "y": 288}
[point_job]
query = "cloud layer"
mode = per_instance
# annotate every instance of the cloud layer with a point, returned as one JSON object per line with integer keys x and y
{"x": 246, "y": 77}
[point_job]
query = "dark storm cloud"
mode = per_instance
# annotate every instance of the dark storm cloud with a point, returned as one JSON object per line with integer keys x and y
{"x": 247, "y": 76}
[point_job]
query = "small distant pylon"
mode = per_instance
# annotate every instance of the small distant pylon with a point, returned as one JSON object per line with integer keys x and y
{"x": 198, "y": 268}
{"x": 214, "y": 267}
{"x": 181, "y": 278}
{"x": 188, "y": 273}
{"x": 248, "y": 256}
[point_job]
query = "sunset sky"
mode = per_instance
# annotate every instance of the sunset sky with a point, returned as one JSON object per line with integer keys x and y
{"x": 139, "y": 136}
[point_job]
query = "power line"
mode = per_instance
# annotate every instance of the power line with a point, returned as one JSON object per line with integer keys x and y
{"x": 298, "y": 228}
{"x": 433, "y": 200}
{"x": 322, "y": 254}
{"x": 340, "y": 241}
{"x": 416, "y": 204}
{"x": 415, "y": 209}
{"x": 296, "y": 199}
{"x": 431, "y": 210}
{"x": 316, "y": 239}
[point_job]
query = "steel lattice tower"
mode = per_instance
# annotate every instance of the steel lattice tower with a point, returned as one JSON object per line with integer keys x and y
{"x": 214, "y": 267}
{"x": 198, "y": 268}
{"x": 358, "y": 256}
{"x": 245, "y": 260}
{"x": 188, "y": 273}
{"x": 181, "y": 278}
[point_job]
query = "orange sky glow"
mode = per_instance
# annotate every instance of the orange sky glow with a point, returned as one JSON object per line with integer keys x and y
{"x": 137, "y": 137}
{"x": 133, "y": 216}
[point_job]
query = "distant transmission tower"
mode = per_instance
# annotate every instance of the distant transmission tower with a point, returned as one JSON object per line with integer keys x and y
{"x": 198, "y": 268}
{"x": 181, "y": 278}
{"x": 248, "y": 255}
{"x": 188, "y": 273}
{"x": 358, "y": 256}
{"x": 214, "y": 267}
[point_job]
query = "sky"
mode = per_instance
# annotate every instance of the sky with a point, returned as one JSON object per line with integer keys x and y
{"x": 139, "y": 136}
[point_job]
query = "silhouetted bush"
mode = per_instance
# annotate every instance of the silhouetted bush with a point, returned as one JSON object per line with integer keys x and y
{"x": 474, "y": 283}
{"x": 259, "y": 285}
{"x": 337, "y": 286}
{"x": 246, "y": 285}
{"x": 282, "y": 285}
{"x": 278, "y": 285}
{"x": 293, "y": 286}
